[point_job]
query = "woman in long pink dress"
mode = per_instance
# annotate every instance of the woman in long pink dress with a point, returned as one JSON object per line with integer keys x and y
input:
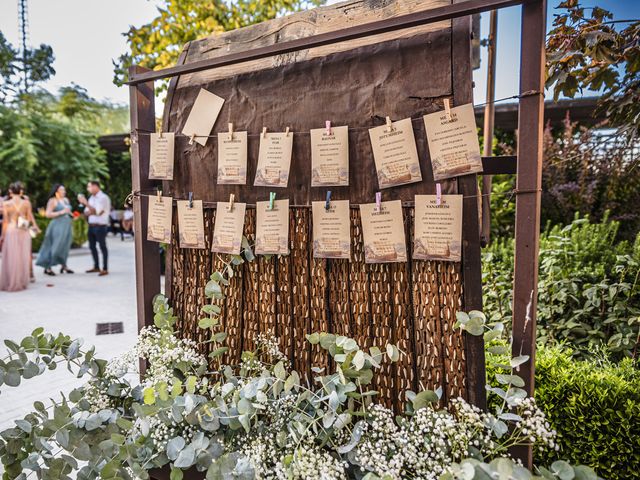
{"x": 15, "y": 240}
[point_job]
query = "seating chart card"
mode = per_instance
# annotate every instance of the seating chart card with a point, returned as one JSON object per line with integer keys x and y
{"x": 159, "y": 219}
{"x": 227, "y": 231}
{"x": 232, "y": 158}
{"x": 453, "y": 142}
{"x": 272, "y": 228}
{"x": 330, "y": 157}
{"x": 203, "y": 116}
{"x": 395, "y": 154}
{"x": 274, "y": 159}
{"x": 383, "y": 232}
{"x": 438, "y": 228}
{"x": 331, "y": 229}
{"x": 161, "y": 156}
{"x": 191, "y": 224}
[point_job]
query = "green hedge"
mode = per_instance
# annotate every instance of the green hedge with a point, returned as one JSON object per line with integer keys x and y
{"x": 594, "y": 405}
{"x": 79, "y": 231}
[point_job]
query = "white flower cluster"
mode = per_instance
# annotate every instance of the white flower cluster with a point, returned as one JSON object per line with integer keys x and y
{"x": 377, "y": 451}
{"x": 161, "y": 431}
{"x": 96, "y": 397}
{"x": 534, "y": 426}
{"x": 119, "y": 366}
{"x": 476, "y": 423}
{"x": 268, "y": 346}
{"x": 309, "y": 462}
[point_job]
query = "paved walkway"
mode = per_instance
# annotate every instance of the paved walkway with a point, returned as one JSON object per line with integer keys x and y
{"x": 71, "y": 304}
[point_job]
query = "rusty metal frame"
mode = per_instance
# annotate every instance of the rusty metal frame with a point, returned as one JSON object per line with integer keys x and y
{"x": 529, "y": 155}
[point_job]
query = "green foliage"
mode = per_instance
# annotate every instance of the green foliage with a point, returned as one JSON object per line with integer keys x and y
{"x": 588, "y": 287}
{"x": 587, "y": 51}
{"x": 158, "y": 44}
{"x": 79, "y": 232}
{"x": 594, "y": 406}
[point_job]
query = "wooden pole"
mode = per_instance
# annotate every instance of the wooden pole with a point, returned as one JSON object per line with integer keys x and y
{"x": 529, "y": 182}
{"x": 489, "y": 115}
{"x": 147, "y": 255}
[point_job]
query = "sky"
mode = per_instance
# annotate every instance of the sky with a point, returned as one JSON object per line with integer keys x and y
{"x": 86, "y": 35}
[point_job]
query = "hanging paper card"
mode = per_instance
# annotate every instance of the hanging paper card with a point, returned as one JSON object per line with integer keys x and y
{"x": 272, "y": 228}
{"x": 161, "y": 156}
{"x": 203, "y": 115}
{"x": 453, "y": 142}
{"x": 191, "y": 224}
{"x": 159, "y": 219}
{"x": 227, "y": 232}
{"x": 274, "y": 160}
{"x": 330, "y": 157}
{"x": 395, "y": 154}
{"x": 331, "y": 229}
{"x": 383, "y": 232}
{"x": 232, "y": 158}
{"x": 438, "y": 228}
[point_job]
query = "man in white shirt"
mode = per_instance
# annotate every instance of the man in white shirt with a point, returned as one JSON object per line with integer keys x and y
{"x": 97, "y": 210}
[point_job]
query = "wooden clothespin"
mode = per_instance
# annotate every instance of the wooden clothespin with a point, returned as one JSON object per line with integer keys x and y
{"x": 232, "y": 199}
{"x": 159, "y": 195}
{"x": 231, "y": 131}
{"x": 160, "y": 134}
{"x": 447, "y": 108}
{"x": 264, "y": 132}
{"x": 192, "y": 138}
{"x": 328, "y": 199}
{"x": 286, "y": 132}
{"x": 190, "y": 199}
{"x": 378, "y": 201}
{"x": 389, "y": 124}
{"x": 272, "y": 199}
{"x": 438, "y": 194}
{"x": 327, "y": 125}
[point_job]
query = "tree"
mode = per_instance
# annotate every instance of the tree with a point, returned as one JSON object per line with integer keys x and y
{"x": 586, "y": 51}
{"x": 158, "y": 44}
{"x": 19, "y": 72}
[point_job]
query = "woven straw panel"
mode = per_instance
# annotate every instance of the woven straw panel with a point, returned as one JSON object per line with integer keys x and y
{"x": 410, "y": 304}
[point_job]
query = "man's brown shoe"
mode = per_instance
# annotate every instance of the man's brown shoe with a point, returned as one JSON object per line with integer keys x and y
{"x": 103, "y": 273}
{"x": 93, "y": 270}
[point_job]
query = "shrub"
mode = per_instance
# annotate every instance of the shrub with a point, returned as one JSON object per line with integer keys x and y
{"x": 589, "y": 287}
{"x": 79, "y": 232}
{"x": 594, "y": 406}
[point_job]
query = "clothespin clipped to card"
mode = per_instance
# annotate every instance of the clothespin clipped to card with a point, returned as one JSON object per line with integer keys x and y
{"x": 232, "y": 199}
{"x": 286, "y": 132}
{"x": 378, "y": 201}
{"x": 159, "y": 195}
{"x": 327, "y": 125}
{"x": 264, "y": 132}
{"x": 272, "y": 199}
{"x": 447, "y": 108}
{"x": 438, "y": 194}
{"x": 190, "y": 199}
{"x": 160, "y": 134}
{"x": 389, "y": 124}
{"x": 192, "y": 138}
{"x": 328, "y": 199}
{"x": 231, "y": 131}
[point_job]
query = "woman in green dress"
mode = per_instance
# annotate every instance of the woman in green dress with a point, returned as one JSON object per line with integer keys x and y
{"x": 57, "y": 239}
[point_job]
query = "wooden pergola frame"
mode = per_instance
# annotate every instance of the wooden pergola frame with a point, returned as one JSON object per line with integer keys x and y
{"x": 528, "y": 171}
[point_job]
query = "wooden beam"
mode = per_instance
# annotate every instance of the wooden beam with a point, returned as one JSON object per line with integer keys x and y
{"x": 448, "y": 12}
{"x": 147, "y": 256}
{"x": 528, "y": 184}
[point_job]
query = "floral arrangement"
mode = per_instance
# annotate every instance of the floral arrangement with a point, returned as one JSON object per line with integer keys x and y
{"x": 259, "y": 419}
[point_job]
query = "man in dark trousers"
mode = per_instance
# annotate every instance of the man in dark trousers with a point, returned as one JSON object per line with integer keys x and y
{"x": 97, "y": 210}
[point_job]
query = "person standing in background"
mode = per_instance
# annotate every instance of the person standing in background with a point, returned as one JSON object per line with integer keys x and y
{"x": 97, "y": 210}
{"x": 57, "y": 239}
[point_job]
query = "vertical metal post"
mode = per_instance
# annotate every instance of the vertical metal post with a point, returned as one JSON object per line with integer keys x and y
{"x": 147, "y": 256}
{"x": 489, "y": 114}
{"x": 529, "y": 181}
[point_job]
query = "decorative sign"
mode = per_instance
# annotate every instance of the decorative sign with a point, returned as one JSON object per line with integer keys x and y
{"x": 331, "y": 229}
{"x": 272, "y": 228}
{"x": 191, "y": 224}
{"x": 227, "y": 232}
{"x": 330, "y": 157}
{"x": 161, "y": 156}
{"x": 453, "y": 142}
{"x": 203, "y": 115}
{"x": 438, "y": 228}
{"x": 395, "y": 154}
{"x": 232, "y": 158}
{"x": 274, "y": 159}
{"x": 383, "y": 232}
{"x": 159, "y": 219}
